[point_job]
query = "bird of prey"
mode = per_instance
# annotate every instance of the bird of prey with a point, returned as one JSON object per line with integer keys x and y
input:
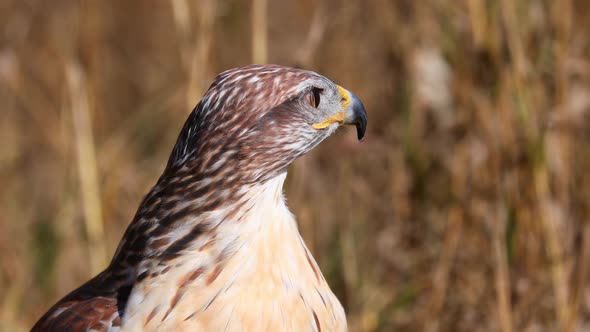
{"x": 213, "y": 246}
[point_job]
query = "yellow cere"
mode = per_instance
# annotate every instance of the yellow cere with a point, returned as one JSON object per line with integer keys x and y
{"x": 345, "y": 97}
{"x": 339, "y": 117}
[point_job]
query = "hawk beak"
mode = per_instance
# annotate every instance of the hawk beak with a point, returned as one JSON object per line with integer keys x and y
{"x": 356, "y": 115}
{"x": 353, "y": 113}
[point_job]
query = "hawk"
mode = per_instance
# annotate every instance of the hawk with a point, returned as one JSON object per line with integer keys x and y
{"x": 213, "y": 246}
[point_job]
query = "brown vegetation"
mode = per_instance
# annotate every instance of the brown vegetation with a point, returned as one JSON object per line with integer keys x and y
{"x": 465, "y": 209}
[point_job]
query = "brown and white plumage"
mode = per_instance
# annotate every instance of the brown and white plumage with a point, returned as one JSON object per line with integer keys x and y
{"x": 213, "y": 246}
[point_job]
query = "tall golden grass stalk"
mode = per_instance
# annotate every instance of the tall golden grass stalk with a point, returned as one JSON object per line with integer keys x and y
{"x": 194, "y": 44}
{"x": 87, "y": 170}
{"x": 501, "y": 268}
{"x": 259, "y": 31}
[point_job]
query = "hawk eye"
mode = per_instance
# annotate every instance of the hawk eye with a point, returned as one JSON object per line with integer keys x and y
{"x": 313, "y": 97}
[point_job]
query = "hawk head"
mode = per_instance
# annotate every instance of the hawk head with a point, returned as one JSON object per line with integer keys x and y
{"x": 254, "y": 121}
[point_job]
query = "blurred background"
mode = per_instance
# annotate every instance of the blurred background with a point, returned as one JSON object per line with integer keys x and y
{"x": 465, "y": 209}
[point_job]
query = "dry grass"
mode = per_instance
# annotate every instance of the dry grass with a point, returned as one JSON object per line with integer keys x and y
{"x": 466, "y": 208}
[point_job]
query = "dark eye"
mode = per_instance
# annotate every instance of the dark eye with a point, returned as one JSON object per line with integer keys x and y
{"x": 313, "y": 97}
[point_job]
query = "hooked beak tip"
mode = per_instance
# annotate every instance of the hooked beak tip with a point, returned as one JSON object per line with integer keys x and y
{"x": 357, "y": 115}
